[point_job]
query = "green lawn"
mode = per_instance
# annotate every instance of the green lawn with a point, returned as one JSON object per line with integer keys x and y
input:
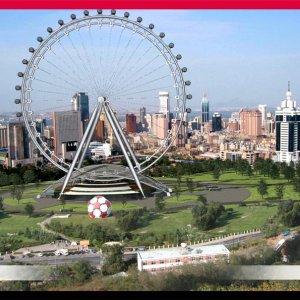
{"x": 289, "y": 193}
{"x": 34, "y": 191}
{"x": 86, "y": 219}
{"x": 14, "y": 202}
{"x": 243, "y": 218}
{"x": 229, "y": 177}
{"x": 83, "y": 206}
{"x": 12, "y": 223}
{"x": 181, "y": 199}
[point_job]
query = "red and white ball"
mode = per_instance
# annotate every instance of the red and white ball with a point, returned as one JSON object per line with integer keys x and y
{"x": 99, "y": 207}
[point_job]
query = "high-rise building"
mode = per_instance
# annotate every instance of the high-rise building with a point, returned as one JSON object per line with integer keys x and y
{"x": 288, "y": 130}
{"x": 130, "y": 123}
{"x": 180, "y": 139}
{"x": 164, "y": 104}
{"x": 205, "y": 109}
{"x": 80, "y": 102}
{"x": 142, "y": 115}
{"x": 67, "y": 133}
{"x": 263, "y": 109}
{"x": 216, "y": 122}
{"x": 20, "y": 146}
{"x": 250, "y": 122}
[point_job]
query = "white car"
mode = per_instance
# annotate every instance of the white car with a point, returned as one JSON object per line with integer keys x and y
{"x": 40, "y": 254}
{"x": 57, "y": 253}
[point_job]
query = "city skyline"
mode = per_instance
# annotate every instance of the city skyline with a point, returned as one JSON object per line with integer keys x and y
{"x": 235, "y": 56}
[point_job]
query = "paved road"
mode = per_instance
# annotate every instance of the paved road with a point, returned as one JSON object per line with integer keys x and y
{"x": 92, "y": 258}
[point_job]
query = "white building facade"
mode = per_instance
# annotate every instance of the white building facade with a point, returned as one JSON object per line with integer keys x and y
{"x": 288, "y": 130}
{"x": 169, "y": 258}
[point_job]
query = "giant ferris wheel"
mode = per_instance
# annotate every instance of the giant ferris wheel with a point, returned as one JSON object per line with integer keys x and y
{"x": 120, "y": 64}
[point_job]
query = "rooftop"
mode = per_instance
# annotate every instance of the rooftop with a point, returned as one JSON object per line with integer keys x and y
{"x": 179, "y": 251}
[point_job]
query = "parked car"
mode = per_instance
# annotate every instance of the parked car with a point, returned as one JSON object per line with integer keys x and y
{"x": 41, "y": 254}
{"x": 286, "y": 233}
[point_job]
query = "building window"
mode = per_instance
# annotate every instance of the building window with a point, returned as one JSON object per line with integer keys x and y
{"x": 153, "y": 269}
{"x": 177, "y": 260}
{"x": 161, "y": 261}
{"x": 153, "y": 262}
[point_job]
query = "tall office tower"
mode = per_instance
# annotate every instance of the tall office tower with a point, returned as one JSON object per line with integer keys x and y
{"x": 80, "y": 102}
{"x": 205, "y": 109}
{"x": 142, "y": 115}
{"x": 263, "y": 109}
{"x": 288, "y": 130}
{"x": 216, "y": 122}
{"x": 130, "y": 123}
{"x": 3, "y": 137}
{"x": 67, "y": 131}
{"x": 164, "y": 104}
{"x": 99, "y": 134}
{"x": 18, "y": 140}
{"x": 180, "y": 139}
{"x": 250, "y": 122}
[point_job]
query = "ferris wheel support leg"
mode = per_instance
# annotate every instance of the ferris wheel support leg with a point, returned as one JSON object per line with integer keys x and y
{"x": 123, "y": 136}
{"x": 112, "y": 123}
{"x": 91, "y": 132}
{"x": 95, "y": 115}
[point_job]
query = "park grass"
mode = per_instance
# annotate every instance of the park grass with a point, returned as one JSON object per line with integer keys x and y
{"x": 83, "y": 206}
{"x": 85, "y": 220}
{"x": 227, "y": 177}
{"x": 289, "y": 194}
{"x": 12, "y": 223}
{"x": 181, "y": 198}
{"x": 14, "y": 202}
{"x": 35, "y": 191}
{"x": 242, "y": 218}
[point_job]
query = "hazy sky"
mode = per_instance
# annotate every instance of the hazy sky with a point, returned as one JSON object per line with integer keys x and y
{"x": 240, "y": 58}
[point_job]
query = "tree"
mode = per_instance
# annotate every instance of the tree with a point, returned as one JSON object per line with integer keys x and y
{"x": 202, "y": 199}
{"x": 190, "y": 185}
{"x": 216, "y": 173}
{"x": 279, "y": 189}
{"x": 177, "y": 192}
{"x": 275, "y": 171}
{"x": 262, "y": 188}
{"x": 205, "y": 217}
{"x": 1, "y": 203}
{"x": 29, "y": 209}
{"x": 113, "y": 262}
{"x": 29, "y": 176}
{"x": 289, "y": 173}
{"x": 124, "y": 202}
{"x": 19, "y": 194}
{"x": 159, "y": 202}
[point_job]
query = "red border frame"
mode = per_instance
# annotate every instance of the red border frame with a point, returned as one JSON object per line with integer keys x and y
{"x": 150, "y": 4}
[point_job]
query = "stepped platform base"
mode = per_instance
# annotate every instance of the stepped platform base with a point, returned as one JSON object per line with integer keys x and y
{"x": 115, "y": 182}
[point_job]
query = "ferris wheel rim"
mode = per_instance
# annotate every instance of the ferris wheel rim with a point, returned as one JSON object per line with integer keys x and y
{"x": 180, "y": 90}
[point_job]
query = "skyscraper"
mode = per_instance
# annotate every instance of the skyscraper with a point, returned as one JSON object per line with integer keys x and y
{"x": 288, "y": 130}
{"x": 67, "y": 133}
{"x": 164, "y": 104}
{"x": 80, "y": 102}
{"x": 216, "y": 122}
{"x": 130, "y": 123}
{"x": 205, "y": 109}
{"x": 263, "y": 109}
{"x": 250, "y": 122}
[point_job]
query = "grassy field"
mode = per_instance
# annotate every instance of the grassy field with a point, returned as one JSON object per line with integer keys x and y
{"x": 181, "y": 198}
{"x": 242, "y": 218}
{"x": 289, "y": 193}
{"x": 34, "y": 191}
{"x": 83, "y": 206}
{"x": 12, "y": 223}
{"x": 85, "y": 220}
{"x": 229, "y": 177}
{"x": 14, "y": 202}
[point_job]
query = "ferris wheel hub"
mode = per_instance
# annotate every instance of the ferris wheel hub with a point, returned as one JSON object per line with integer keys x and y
{"x": 102, "y": 99}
